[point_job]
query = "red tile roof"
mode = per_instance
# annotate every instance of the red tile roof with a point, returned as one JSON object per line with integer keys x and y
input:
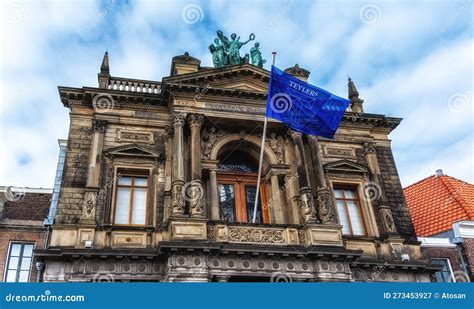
{"x": 436, "y": 202}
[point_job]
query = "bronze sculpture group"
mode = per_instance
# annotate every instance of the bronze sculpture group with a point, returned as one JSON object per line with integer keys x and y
{"x": 226, "y": 52}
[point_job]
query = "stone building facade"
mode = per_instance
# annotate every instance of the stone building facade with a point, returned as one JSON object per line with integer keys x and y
{"x": 159, "y": 182}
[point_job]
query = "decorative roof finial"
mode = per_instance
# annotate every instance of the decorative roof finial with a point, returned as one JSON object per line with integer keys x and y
{"x": 104, "y": 68}
{"x": 353, "y": 94}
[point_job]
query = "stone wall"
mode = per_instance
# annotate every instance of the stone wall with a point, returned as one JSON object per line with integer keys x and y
{"x": 394, "y": 193}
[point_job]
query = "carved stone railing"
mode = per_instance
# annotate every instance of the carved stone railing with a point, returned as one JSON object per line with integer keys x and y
{"x": 134, "y": 85}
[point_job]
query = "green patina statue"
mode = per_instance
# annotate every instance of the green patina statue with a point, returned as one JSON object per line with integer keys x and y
{"x": 227, "y": 52}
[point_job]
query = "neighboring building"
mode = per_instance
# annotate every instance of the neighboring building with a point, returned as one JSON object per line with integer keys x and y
{"x": 442, "y": 210}
{"x": 22, "y": 211}
{"x": 160, "y": 177}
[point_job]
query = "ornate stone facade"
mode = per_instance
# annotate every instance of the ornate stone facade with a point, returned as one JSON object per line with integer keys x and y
{"x": 177, "y": 144}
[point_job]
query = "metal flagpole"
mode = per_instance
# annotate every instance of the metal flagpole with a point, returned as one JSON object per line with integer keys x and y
{"x": 261, "y": 160}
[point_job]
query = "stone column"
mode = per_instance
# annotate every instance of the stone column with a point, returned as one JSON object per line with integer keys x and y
{"x": 169, "y": 132}
{"x": 95, "y": 154}
{"x": 275, "y": 200}
{"x": 306, "y": 198}
{"x": 177, "y": 199}
{"x": 39, "y": 270}
{"x": 385, "y": 210}
{"x": 291, "y": 183}
{"x": 326, "y": 209}
{"x": 196, "y": 188}
{"x": 215, "y": 214}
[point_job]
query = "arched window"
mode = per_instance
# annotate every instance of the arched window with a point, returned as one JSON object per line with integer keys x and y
{"x": 237, "y": 185}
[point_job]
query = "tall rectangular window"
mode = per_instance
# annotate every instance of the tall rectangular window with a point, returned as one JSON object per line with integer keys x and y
{"x": 349, "y": 211}
{"x": 19, "y": 262}
{"x": 131, "y": 200}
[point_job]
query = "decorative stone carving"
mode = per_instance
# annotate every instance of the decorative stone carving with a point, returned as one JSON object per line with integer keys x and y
{"x": 325, "y": 206}
{"x": 178, "y": 119}
{"x": 256, "y": 235}
{"x": 369, "y": 147}
{"x": 169, "y": 131}
{"x": 134, "y": 136}
{"x": 195, "y": 120}
{"x": 99, "y": 125}
{"x": 307, "y": 209}
{"x": 177, "y": 204}
{"x": 88, "y": 208}
{"x": 208, "y": 140}
{"x": 302, "y": 237}
{"x": 388, "y": 219}
{"x": 194, "y": 191}
{"x": 277, "y": 144}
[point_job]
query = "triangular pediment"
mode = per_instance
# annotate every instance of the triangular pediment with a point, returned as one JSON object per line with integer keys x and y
{"x": 244, "y": 77}
{"x": 135, "y": 150}
{"x": 345, "y": 166}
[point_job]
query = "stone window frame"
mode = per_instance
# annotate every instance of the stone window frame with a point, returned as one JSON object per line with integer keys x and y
{"x": 151, "y": 193}
{"x": 7, "y": 261}
{"x": 366, "y": 206}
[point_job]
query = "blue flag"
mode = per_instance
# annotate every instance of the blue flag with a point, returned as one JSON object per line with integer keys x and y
{"x": 303, "y": 107}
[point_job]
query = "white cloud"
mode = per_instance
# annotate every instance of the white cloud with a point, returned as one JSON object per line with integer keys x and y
{"x": 408, "y": 63}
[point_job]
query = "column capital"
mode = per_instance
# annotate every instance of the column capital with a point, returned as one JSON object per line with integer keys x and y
{"x": 294, "y": 134}
{"x": 178, "y": 119}
{"x": 195, "y": 120}
{"x": 369, "y": 147}
{"x": 169, "y": 131}
{"x": 99, "y": 125}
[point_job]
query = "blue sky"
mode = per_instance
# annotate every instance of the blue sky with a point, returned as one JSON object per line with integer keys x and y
{"x": 409, "y": 59}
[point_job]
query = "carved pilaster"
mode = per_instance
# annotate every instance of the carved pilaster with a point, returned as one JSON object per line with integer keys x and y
{"x": 307, "y": 208}
{"x": 195, "y": 194}
{"x": 325, "y": 206}
{"x": 177, "y": 199}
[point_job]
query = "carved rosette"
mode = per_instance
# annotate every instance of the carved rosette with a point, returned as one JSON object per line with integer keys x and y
{"x": 307, "y": 209}
{"x": 325, "y": 206}
{"x": 256, "y": 235}
{"x": 177, "y": 201}
{"x": 195, "y": 193}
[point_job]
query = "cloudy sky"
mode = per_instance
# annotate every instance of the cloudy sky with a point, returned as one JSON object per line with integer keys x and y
{"x": 409, "y": 59}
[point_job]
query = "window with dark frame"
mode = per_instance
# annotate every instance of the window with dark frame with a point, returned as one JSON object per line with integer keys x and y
{"x": 131, "y": 199}
{"x": 19, "y": 261}
{"x": 349, "y": 211}
{"x": 444, "y": 275}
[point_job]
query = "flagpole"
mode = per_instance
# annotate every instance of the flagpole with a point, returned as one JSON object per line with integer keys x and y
{"x": 262, "y": 147}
